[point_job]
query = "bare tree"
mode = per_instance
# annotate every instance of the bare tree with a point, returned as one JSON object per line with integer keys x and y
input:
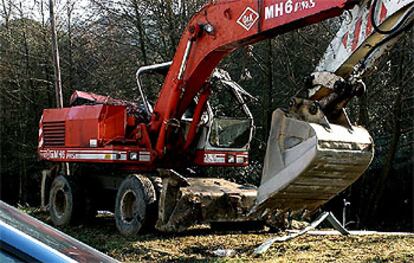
{"x": 56, "y": 59}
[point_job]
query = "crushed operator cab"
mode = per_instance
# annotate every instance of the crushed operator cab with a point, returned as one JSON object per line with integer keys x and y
{"x": 226, "y": 124}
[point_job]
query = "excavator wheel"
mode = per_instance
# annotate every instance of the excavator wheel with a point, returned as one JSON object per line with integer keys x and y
{"x": 65, "y": 202}
{"x": 134, "y": 200}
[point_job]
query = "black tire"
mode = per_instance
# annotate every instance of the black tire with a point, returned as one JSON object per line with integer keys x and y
{"x": 64, "y": 198}
{"x": 134, "y": 199}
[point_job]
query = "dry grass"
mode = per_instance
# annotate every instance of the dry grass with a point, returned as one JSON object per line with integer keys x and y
{"x": 196, "y": 245}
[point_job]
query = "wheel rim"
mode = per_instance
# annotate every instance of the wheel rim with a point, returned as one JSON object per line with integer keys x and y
{"x": 60, "y": 203}
{"x": 128, "y": 207}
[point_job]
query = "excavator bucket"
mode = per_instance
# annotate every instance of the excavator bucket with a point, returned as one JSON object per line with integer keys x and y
{"x": 307, "y": 164}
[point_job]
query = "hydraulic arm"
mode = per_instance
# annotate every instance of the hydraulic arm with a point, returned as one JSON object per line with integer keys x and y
{"x": 215, "y": 31}
{"x": 313, "y": 151}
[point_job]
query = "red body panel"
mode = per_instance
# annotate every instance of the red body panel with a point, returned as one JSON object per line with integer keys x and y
{"x": 81, "y": 124}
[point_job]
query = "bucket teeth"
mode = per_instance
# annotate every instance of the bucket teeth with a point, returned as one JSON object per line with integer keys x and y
{"x": 307, "y": 164}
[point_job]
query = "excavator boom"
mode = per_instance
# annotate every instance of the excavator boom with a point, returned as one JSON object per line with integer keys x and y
{"x": 215, "y": 31}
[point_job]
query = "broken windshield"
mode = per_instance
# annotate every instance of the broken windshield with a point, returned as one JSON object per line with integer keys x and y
{"x": 230, "y": 133}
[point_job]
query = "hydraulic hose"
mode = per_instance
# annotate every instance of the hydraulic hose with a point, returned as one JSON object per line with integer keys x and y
{"x": 396, "y": 28}
{"x": 393, "y": 33}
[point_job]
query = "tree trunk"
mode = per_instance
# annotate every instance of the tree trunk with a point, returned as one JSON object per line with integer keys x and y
{"x": 138, "y": 24}
{"x": 55, "y": 50}
{"x": 70, "y": 57}
{"x": 25, "y": 64}
{"x": 172, "y": 25}
{"x": 46, "y": 70}
{"x": 363, "y": 117}
{"x": 6, "y": 11}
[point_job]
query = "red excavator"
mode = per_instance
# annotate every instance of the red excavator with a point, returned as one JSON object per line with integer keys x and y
{"x": 139, "y": 153}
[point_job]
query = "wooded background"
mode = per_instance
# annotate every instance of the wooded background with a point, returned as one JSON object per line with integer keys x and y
{"x": 103, "y": 42}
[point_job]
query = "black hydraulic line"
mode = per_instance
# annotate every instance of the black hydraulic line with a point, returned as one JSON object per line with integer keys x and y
{"x": 393, "y": 30}
{"x": 393, "y": 33}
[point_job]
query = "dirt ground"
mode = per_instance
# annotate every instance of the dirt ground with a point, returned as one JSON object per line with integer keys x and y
{"x": 198, "y": 244}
